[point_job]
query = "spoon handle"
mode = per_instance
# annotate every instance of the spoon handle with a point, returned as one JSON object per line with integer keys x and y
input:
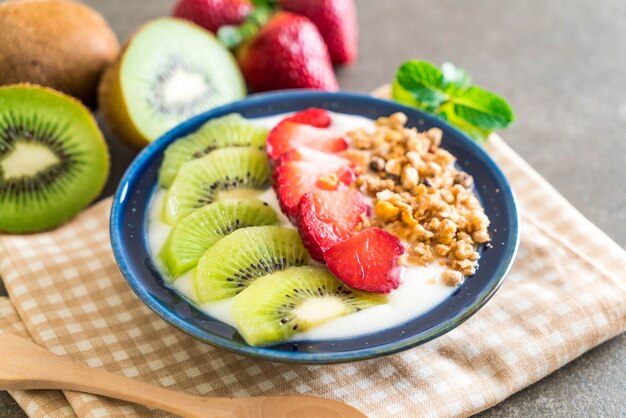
{"x": 25, "y": 365}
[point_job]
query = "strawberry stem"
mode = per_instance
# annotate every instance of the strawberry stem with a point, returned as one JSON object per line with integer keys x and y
{"x": 267, "y": 3}
{"x": 234, "y": 35}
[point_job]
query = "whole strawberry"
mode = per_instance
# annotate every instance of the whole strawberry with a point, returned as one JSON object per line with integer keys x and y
{"x": 212, "y": 14}
{"x": 287, "y": 53}
{"x": 336, "y": 21}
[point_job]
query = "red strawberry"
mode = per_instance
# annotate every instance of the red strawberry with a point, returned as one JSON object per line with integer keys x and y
{"x": 301, "y": 171}
{"x": 211, "y": 14}
{"x": 328, "y": 217}
{"x": 336, "y": 21}
{"x": 312, "y": 116}
{"x": 312, "y": 155}
{"x": 287, "y": 53}
{"x": 367, "y": 261}
{"x": 288, "y": 135}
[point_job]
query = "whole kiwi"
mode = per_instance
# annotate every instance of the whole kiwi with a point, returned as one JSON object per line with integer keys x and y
{"x": 55, "y": 43}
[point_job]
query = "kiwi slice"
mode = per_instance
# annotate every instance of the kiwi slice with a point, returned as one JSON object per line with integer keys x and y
{"x": 199, "y": 181}
{"x": 196, "y": 233}
{"x": 276, "y": 307}
{"x": 170, "y": 70}
{"x": 228, "y": 131}
{"x": 239, "y": 258}
{"x": 53, "y": 158}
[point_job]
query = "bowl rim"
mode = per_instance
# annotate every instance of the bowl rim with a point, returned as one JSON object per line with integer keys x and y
{"x": 156, "y": 148}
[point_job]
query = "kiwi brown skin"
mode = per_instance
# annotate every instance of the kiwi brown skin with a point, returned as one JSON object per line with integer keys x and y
{"x": 112, "y": 102}
{"x": 59, "y": 44}
{"x": 113, "y": 106}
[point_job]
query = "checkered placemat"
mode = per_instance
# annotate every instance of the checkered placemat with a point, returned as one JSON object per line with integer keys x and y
{"x": 565, "y": 294}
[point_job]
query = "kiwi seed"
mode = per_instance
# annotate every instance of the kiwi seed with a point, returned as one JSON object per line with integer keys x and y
{"x": 200, "y": 230}
{"x": 199, "y": 181}
{"x": 53, "y": 158}
{"x": 239, "y": 258}
{"x": 227, "y": 131}
{"x": 280, "y": 305}
{"x": 170, "y": 70}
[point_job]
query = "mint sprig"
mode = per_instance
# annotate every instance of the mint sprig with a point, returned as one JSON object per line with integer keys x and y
{"x": 447, "y": 93}
{"x": 424, "y": 82}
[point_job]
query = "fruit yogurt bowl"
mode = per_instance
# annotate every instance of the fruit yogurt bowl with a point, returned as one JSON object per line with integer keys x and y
{"x": 308, "y": 244}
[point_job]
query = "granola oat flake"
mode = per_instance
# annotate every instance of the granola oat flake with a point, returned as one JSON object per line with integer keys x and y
{"x": 420, "y": 195}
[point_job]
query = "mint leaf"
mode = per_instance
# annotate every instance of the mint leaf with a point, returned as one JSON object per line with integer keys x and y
{"x": 454, "y": 78}
{"x": 482, "y": 108}
{"x": 447, "y": 93}
{"x": 478, "y": 134}
{"x": 423, "y": 81}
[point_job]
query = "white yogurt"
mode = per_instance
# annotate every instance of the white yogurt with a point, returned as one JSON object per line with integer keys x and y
{"x": 421, "y": 288}
{"x": 270, "y": 198}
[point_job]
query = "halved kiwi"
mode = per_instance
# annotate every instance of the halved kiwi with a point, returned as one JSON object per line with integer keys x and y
{"x": 170, "y": 70}
{"x": 196, "y": 233}
{"x": 239, "y": 258}
{"x": 276, "y": 307}
{"x": 199, "y": 181}
{"x": 53, "y": 158}
{"x": 228, "y": 131}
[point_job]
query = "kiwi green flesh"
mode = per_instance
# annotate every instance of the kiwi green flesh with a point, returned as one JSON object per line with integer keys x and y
{"x": 199, "y": 181}
{"x": 53, "y": 158}
{"x": 173, "y": 70}
{"x": 278, "y": 306}
{"x": 239, "y": 258}
{"x": 197, "y": 232}
{"x": 227, "y": 131}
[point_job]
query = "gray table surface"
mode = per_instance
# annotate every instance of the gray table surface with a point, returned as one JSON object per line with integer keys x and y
{"x": 561, "y": 65}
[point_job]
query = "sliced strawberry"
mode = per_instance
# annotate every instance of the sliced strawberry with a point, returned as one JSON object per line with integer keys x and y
{"x": 367, "y": 261}
{"x": 326, "y": 218}
{"x": 288, "y": 135}
{"x": 303, "y": 170}
{"x": 312, "y": 116}
{"x": 312, "y": 155}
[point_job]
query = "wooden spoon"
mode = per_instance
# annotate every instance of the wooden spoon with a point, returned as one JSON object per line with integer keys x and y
{"x": 25, "y": 365}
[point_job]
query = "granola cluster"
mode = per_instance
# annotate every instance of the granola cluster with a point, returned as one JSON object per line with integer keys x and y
{"x": 420, "y": 196}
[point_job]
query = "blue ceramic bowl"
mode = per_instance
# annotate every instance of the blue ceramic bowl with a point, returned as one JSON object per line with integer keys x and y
{"x": 129, "y": 237}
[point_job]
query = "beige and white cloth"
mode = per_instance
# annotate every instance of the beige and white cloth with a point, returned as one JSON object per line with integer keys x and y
{"x": 565, "y": 294}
